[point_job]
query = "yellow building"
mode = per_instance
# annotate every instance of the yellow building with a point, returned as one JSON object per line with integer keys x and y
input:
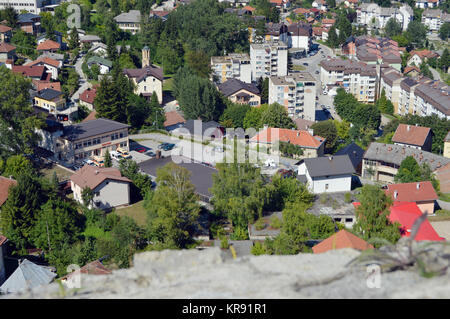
{"x": 51, "y": 100}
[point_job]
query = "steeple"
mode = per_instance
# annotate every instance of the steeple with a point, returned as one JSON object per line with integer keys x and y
{"x": 145, "y": 57}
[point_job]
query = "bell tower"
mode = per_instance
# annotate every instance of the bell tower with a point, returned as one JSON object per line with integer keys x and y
{"x": 145, "y": 57}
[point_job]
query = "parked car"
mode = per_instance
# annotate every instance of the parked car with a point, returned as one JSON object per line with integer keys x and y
{"x": 88, "y": 162}
{"x": 150, "y": 153}
{"x": 162, "y": 145}
{"x": 317, "y": 72}
{"x": 115, "y": 155}
{"x": 141, "y": 149}
{"x": 98, "y": 161}
{"x": 76, "y": 167}
{"x": 324, "y": 92}
{"x": 168, "y": 147}
{"x": 123, "y": 153}
{"x": 306, "y": 64}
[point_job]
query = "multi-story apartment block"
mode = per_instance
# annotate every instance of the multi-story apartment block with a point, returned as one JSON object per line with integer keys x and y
{"x": 374, "y": 16}
{"x": 424, "y": 97}
{"x": 390, "y": 81}
{"x": 357, "y": 78}
{"x": 33, "y": 6}
{"x": 296, "y": 92}
{"x": 434, "y": 18}
{"x": 299, "y": 36}
{"x": 423, "y": 4}
{"x": 232, "y": 66}
{"x": 268, "y": 59}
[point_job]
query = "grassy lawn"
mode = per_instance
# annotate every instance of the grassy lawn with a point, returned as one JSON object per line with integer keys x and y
{"x": 63, "y": 174}
{"x": 444, "y": 197}
{"x": 441, "y": 215}
{"x": 167, "y": 85}
{"x": 135, "y": 211}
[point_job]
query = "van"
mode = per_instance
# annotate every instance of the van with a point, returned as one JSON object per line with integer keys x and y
{"x": 98, "y": 161}
{"x": 123, "y": 153}
{"x": 115, "y": 155}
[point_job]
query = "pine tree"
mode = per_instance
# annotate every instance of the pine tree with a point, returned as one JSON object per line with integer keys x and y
{"x": 107, "y": 159}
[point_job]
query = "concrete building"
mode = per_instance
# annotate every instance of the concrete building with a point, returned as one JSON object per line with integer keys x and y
{"x": 390, "y": 81}
{"x": 109, "y": 187}
{"x": 296, "y": 92}
{"x": 91, "y": 138}
{"x": 232, "y": 66}
{"x": 32, "y": 6}
{"x": 268, "y": 59}
{"x": 129, "y": 21}
{"x": 357, "y": 78}
{"x": 374, "y": 16}
{"x": 432, "y": 98}
{"x": 299, "y": 36}
{"x": 240, "y": 92}
{"x": 418, "y": 137}
{"x": 423, "y": 4}
{"x": 327, "y": 174}
{"x": 382, "y": 161}
{"x": 434, "y": 19}
{"x": 447, "y": 145}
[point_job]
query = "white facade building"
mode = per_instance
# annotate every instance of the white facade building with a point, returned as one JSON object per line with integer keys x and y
{"x": 268, "y": 59}
{"x": 372, "y": 15}
{"x": 234, "y": 65}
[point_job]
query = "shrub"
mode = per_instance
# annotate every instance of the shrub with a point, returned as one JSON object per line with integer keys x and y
{"x": 259, "y": 225}
{"x": 275, "y": 222}
{"x": 348, "y": 197}
{"x": 224, "y": 243}
{"x": 258, "y": 249}
{"x": 324, "y": 198}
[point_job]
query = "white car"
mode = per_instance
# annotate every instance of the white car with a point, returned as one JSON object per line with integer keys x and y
{"x": 325, "y": 93}
{"x": 115, "y": 155}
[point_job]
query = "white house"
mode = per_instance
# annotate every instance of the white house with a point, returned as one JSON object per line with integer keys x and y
{"x": 327, "y": 174}
{"x": 109, "y": 187}
{"x": 53, "y": 66}
{"x": 104, "y": 64}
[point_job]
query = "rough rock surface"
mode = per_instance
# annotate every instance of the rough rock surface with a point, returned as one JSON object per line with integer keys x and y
{"x": 207, "y": 274}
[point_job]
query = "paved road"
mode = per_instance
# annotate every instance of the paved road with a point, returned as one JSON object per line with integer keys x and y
{"x": 436, "y": 74}
{"x": 84, "y": 84}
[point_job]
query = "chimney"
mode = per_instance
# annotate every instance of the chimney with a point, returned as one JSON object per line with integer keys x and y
{"x": 96, "y": 172}
{"x": 10, "y": 177}
{"x": 418, "y": 185}
{"x": 298, "y": 133}
{"x": 395, "y": 194}
{"x": 408, "y": 128}
{"x": 330, "y": 157}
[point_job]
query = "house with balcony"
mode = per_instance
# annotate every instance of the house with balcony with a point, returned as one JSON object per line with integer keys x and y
{"x": 129, "y": 21}
{"x": 53, "y": 66}
{"x": 29, "y": 23}
{"x": 268, "y": 59}
{"x": 382, "y": 161}
{"x": 231, "y": 66}
{"x": 240, "y": 92}
{"x": 50, "y": 100}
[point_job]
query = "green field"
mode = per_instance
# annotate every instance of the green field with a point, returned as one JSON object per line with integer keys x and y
{"x": 135, "y": 211}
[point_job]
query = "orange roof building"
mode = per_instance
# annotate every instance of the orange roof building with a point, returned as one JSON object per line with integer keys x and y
{"x": 173, "y": 120}
{"x": 5, "y": 184}
{"x": 342, "y": 239}
{"x": 421, "y": 193}
{"x": 49, "y": 45}
{"x": 413, "y": 136}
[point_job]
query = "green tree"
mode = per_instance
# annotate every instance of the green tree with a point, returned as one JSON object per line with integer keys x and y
{"x": 393, "y": 28}
{"x": 409, "y": 171}
{"x": 276, "y": 116}
{"x": 372, "y": 221}
{"x": 87, "y": 196}
{"x": 234, "y": 114}
{"x": 173, "y": 212}
{"x": 253, "y": 117}
{"x": 384, "y": 105}
{"x": 416, "y": 33}
{"x": 444, "y": 31}
{"x": 198, "y": 61}
{"x": 326, "y": 129}
{"x": 107, "y": 159}
{"x": 333, "y": 40}
{"x": 17, "y": 165}
{"x": 263, "y": 86}
{"x": 74, "y": 39}
{"x": 25, "y": 43}
{"x": 141, "y": 181}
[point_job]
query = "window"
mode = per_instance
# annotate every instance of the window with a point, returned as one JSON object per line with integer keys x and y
{"x": 326, "y": 186}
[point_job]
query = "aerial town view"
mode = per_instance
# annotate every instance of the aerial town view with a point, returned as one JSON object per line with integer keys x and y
{"x": 224, "y": 149}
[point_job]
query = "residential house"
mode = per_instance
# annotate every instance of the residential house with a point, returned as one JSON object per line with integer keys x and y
{"x": 357, "y": 78}
{"x": 87, "y": 97}
{"x": 93, "y": 268}
{"x": 320, "y": 4}
{"x": 48, "y": 46}
{"x": 34, "y": 72}
{"x": 447, "y": 145}
{"x": 423, "y": 4}
{"x": 413, "y": 136}
{"x": 421, "y": 193}
{"x": 163, "y": 15}
{"x": 382, "y": 161}
{"x": 328, "y": 23}
{"x": 52, "y": 66}
{"x": 129, "y": 21}
{"x": 300, "y": 36}
{"x": 28, "y": 275}
{"x": 5, "y": 33}
{"x": 390, "y": 81}
{"x": 434, "y": 19}
{"x": 268, "y": 59}
{"x": 406, "y": 213}
{"x": 269, "y": 137}
{"x": 5, "y": 184}
{"x": 339, "y": 240}
{"x": 173, "y": 120}
{"x": 147, "y": 80}
{"x": 104, "y": 64}
{"x": 90, "y": 39}
{"x": 7, "y": 53}
{"x": 99, "y": 49}
{"x": 296, "y": 92}
{"x": 303, "y": 124}
{"x": 41, "y": 85}
{"x": 91, "y": 138}
{"x": 29, "y": 23}
{"x": 442, "y": 174}
{"x": 276, "y": 32}
{"x": 327, "y": 174}
{"x": 240, "y": 92}
{"x": 355, "y": 153}
{"x": 109, "y": 187}
{"x": 411, "y": 71}
{"x": 233, "y": 65}
{"x": 418, "y": 57}
{"x": 53, "y": 102}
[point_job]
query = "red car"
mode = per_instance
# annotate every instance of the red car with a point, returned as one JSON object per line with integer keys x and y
{"x": 141, "y": 149}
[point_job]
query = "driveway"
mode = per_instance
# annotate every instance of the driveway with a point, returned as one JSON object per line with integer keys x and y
{"x": 84, "y": 84}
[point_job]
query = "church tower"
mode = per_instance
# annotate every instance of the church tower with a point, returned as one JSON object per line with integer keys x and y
{"x": 145, "y": 57}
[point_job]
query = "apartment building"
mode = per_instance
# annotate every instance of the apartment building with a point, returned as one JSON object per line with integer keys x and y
{"x": 90, "y": 138}
{"x": 232, "y": 66}
{"x": 434, "y": 18}
{"x": 423, "y": 4}
{"x": 129, "y": 21}
{"x": 374, "y": 16}
{"x": 268, "y": 59}
{"x": 357, "y": 78}
{"x": 296, "y": 92}
{"x": 33, "y": 6}
{"x": 390, "y": 81}
{"x": 299, "y": 36}
{"x": 382, "y": 161}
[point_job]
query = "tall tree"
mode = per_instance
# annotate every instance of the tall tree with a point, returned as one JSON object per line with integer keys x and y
{"x": 416, "y": 33}
{"x": 326, "y": 129}
{"x": 393, "y": 28}
{"x": 276, "y": 116}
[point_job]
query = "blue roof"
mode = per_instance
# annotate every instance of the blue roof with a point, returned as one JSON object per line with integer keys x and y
{"x": 27, "y": 275}
{"x": 353, "y": 151}
{"x": 26, "y": 17}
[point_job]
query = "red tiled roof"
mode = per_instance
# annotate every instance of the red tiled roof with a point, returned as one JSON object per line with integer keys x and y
{"x": 172, "y": 118}
{"x": 278, "y": 2}
{"x": 91, "y": 116}
{"x": 409, "y": 192}
{"x": 93, "y": 268}
{"x": 45, "y": 60}
{"x": 328, "y": 21}
{"x": 424, "y": 54}
{"x": 443, "y": 175}
{"x": 3, "y": 239}
{"x": 411, "y": 68}
{"x": 41, "y": 85}
{"x": 406, "y": 213}
{"x": 249, "y": 8}
{"x": 30, "y": 71}
{"x": 296, "y": 137}
{"x": 90, "y": 176}
{"x": 342, "y": 239}
{"x": 89, "y": 95}
{"x": 5, "y": 184}
{"x": 411, "y": 134}
{"x": 4, "y": 28}
{"x": 5, "y": 47}
{"x": 48, "y": 45}
{"x": 301, "y": 11}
